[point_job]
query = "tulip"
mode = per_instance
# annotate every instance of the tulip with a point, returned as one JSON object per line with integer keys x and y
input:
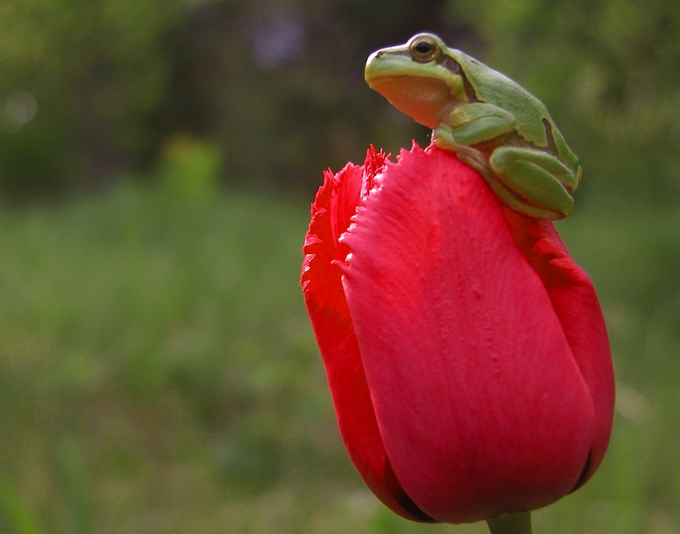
{"x": 465, "y": 350}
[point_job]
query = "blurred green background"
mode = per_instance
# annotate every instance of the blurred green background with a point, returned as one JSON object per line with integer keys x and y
{"x": 158, "y": 373}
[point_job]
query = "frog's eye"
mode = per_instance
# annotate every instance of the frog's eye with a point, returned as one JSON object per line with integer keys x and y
{"x": 424, "y": 49}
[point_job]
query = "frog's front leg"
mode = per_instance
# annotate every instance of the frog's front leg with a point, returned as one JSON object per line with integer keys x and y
{"x": 538, "y": 184}
{"x": 444, "y": 138}
{"x": 471, "y": 124}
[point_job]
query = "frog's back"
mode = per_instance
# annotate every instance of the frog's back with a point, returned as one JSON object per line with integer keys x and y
{"x": 495, "y": 88}
{"x": 530, "y": 113}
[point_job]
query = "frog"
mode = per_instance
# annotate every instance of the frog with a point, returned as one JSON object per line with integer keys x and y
{"x": 491, "y": 122}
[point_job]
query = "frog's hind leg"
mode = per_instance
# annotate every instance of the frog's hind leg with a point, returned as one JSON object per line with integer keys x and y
{"x": 535, "y": 177}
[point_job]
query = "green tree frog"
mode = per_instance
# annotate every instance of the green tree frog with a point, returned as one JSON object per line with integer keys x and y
{"x": 493, "y": 124}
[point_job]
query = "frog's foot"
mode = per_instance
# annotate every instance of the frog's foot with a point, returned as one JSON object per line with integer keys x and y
{"x": 443, "y": 138}
{"x": 533, "y": 182}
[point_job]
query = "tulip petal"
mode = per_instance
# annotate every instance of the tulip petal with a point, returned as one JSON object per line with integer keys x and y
{"x": 578, "y": 309}
{"x": 334, "y": 205}
{"x": 478, "y": 399}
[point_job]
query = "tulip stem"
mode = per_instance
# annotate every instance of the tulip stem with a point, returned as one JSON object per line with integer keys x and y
{"x": 511, "y": 524}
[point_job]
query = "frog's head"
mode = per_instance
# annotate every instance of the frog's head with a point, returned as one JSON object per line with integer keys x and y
{"x": 421, "y": 78}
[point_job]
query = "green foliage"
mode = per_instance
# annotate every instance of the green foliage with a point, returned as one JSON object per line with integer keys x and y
{"x": 75, "y": 484}
{"x": 190, "y": 168}
{"x": 161, "y": 337}
{"x": 95, "y": 71}
{"x": 15, "y": 515}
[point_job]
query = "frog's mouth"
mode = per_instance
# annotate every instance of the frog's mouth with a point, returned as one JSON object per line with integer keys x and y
{"x": 426, "y": 100}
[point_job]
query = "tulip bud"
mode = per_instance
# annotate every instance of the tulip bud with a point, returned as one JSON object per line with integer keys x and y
{"x": 465, "y": 350}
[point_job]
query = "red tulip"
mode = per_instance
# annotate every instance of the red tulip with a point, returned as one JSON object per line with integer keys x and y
{"x": 465, "y": 350}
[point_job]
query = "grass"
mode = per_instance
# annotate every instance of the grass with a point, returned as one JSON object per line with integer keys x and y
{"x": 158, "y": 373}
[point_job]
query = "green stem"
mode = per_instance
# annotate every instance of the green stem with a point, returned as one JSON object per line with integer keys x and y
{"x": 511, "y": 524}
